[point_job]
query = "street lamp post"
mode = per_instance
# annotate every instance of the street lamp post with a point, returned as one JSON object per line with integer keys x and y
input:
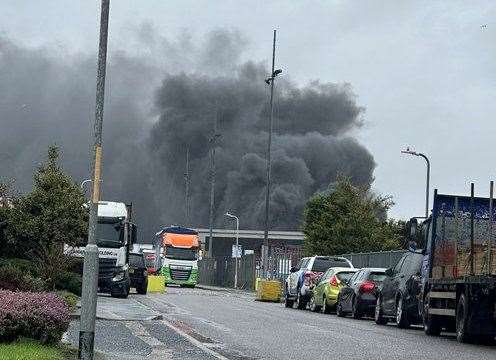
{"x": 269, "y": 81}
{"x": 237, "y": 248}
{"x": 84, "y": 183}
{"x": 428, "y": 163}
{"x": 90, "y": 266}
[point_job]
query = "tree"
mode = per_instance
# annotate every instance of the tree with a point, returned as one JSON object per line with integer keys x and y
{"x": 51, "y": 215}
{"x": 5, "y": 208}
{"x": 349, "y": 219}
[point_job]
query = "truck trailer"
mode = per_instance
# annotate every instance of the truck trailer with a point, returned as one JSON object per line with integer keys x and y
{"x": 459, "y": 268}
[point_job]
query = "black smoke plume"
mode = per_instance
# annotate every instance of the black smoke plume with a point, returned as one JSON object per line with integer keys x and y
{"x": 165, "y": 100}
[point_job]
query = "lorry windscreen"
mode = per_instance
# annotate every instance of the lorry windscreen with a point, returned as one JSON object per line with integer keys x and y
{"x": 110, "y": 234}
{"x": 180, "y": 253}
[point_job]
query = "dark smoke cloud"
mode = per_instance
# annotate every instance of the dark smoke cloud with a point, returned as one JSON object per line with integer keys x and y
{"x": 164, "y": 100}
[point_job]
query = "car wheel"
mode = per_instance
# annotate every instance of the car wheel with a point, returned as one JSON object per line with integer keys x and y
{"x": 355, "y": 312}
{"x": 462, "y": 321}
{"x": 401, "y": 315}
{"x": 326, "y": 309}
{"x": 312, "y": 305}
{"x": 300, "y": 303}
{"x": 287, "y": 302}
{"x": 432, "y": 325}
{"x": 379, "y": 315}
{"x": 339, "y": 309}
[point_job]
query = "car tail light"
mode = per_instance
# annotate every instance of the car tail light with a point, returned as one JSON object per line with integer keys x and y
{"x": 334, "y": 281}
{"x": 367, "y": 286}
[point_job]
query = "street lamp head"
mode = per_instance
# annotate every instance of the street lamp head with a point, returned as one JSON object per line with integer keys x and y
{"x": 276, "y": 72}
{"x": 268, "y": 80}
{"x": 410, "y": 152}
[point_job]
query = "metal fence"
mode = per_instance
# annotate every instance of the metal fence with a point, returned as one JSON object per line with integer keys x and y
{"x": 382, "y": 259}
{"x": 219, "y": 271}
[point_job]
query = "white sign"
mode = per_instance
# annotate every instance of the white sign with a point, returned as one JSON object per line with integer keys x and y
{"x": 237, "y": 253}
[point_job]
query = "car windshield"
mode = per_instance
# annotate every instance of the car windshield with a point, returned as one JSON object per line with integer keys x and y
{"x": 377, "y": 277}
{"x": 345, "y": 275}
{"x": 110, "y": 234}
{"x": 180, "y": 253}
{"x": 322, "y": 264}
{"x": 136, "y": 261}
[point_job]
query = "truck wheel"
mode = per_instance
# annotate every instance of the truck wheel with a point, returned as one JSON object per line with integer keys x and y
{"x": 401, "y": 315}
{"x": 142, "y": 288}
{"x": 462, "y": 320}
{"x": 432, "y": 323}
{"x": 379, "y": 315}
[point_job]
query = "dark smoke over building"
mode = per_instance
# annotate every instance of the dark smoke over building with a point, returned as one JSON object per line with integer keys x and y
{"x": 156, "y": 109}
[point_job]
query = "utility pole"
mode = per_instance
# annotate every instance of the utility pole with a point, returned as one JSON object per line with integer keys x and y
{"x": 186, "y": 179}
{"x": 90, "y": 267}
{"x": 212, "y": 141}
{"x": 270, "y": 80}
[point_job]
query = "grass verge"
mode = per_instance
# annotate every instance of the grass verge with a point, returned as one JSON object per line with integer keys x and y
{"x": 26, "y": 349}
{"x": 30, "y": 349}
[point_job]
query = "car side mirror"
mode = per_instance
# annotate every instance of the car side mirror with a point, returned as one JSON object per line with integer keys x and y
{"x": 294, "y": 269}
{"x": 389, "y": 272}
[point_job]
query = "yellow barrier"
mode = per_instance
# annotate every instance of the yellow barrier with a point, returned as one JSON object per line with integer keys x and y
{"x": 269, "y": 290}
{"x": 156, "y": 284}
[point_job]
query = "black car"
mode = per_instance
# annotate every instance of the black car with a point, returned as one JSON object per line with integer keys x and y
{"x": 358, "y": 296}
{"x": 398, "y": 297}
{"x": 138, "y": 273}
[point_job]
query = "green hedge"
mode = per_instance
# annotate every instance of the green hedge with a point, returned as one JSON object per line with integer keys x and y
{"x": 69, "y": 281}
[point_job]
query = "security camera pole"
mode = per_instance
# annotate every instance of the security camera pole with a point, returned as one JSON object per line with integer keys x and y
{"x": 269, "y": 80}
{"x": 428, "y": 163}
{"x": 90, "y": 269}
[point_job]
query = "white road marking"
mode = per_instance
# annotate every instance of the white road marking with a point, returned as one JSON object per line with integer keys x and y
{"x": 195, "y": 342}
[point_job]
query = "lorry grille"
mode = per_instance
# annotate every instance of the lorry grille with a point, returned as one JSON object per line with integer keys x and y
{"x": 177, "y": 274}
{"x": 106, "y": 267}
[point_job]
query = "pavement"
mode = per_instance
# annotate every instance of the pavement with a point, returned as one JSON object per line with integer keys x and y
{"x": 211, "y": 324}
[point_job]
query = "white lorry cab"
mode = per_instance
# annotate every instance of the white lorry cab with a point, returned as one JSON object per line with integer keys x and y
{"x": 115, "y": 236}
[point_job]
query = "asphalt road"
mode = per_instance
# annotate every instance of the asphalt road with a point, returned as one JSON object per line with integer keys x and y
{"x": 204, "y": 324}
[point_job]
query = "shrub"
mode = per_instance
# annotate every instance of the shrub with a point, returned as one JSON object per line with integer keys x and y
{"x": 69, "y": 298}
{"x": 69, "y": 281}
{"x": 26, "y": 266}
{"x": 13, "y": 278}
{"x": 40, "y": 316}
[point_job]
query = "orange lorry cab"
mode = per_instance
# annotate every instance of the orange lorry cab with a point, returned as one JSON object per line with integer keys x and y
{"x": 180, "y": 255}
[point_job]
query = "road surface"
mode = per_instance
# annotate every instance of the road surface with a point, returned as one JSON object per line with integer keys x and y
{"x": 204, "y": 324}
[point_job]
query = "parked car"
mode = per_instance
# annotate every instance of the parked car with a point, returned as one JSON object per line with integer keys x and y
{"x": 296, "y": 290}
{"x": 325, "y": 293}
{"x": 398, "y": 296}
{"x": 358, "y": 296}
{"x": 138, "y": 273}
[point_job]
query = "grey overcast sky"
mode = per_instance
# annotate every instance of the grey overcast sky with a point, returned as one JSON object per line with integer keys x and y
{"x": 424, "y": 70}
